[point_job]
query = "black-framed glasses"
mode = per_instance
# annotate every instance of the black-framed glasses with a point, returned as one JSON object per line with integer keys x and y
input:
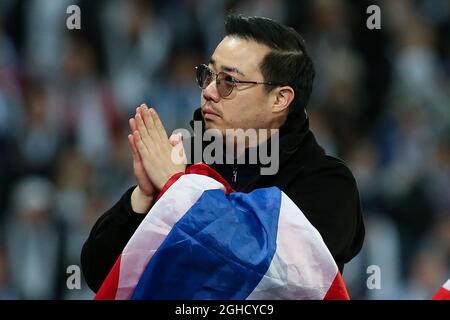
{"x": 225, "y": 83}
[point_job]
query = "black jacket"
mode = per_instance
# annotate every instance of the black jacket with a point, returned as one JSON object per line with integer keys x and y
{"x": 321, "y": 186}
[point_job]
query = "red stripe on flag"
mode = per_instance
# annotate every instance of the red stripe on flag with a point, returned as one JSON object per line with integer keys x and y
{"x": 198, "y": 168}
{"x": 442, "y": 294}
{"x": 108, "y": 289}
{"x": 204, "y": 169}
{"x": 338, "y": 290}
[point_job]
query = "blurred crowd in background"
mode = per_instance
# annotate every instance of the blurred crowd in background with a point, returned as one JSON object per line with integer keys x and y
{"x": 381, "y": 102}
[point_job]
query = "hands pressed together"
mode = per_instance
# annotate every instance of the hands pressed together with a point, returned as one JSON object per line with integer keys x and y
{"x": 152, "y": 162}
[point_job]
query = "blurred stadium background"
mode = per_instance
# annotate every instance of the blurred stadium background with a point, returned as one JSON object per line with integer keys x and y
{"x": 381, "y": 102}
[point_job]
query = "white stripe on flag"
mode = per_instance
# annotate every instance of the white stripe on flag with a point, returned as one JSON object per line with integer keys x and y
{"x": 153, "y": 230}
{"x": 447, "y": 285}
{"x": 302, "y": 267}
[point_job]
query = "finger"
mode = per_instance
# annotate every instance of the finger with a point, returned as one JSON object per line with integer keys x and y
{"x": 134, "y": 149}
{"x": 142, "y": 149}
{"x": 150, "y": 125}
{"x": 141, "y": 108}
{"x": 148, "y": 140}
{"x": 133, "y": 125}
{"x": 142, "y": 129}
{"x": 158, "y": 125}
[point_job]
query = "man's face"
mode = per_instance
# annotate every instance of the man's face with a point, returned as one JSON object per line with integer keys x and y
{"x": 248, "y": 105}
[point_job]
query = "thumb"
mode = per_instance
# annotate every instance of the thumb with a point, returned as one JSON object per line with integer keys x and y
{"x": 175, "y": 139}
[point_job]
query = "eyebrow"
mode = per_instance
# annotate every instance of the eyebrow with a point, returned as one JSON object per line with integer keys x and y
{"x": 227, "y": 68}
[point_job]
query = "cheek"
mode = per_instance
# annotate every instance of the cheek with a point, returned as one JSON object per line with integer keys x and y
{"x": 202, "y": 99}
{"x": 244, "y": 117}
{"x": 245, "y": 110}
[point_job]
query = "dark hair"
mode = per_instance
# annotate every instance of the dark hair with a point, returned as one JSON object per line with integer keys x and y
{"x": 287, "y": 63}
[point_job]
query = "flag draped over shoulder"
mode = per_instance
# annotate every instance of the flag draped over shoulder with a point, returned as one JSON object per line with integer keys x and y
{"x": 202, "y": 240}
{"x": 444, "y": 292}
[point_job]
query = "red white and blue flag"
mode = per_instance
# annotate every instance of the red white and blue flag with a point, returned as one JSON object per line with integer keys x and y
{"x": 202, "y": 240}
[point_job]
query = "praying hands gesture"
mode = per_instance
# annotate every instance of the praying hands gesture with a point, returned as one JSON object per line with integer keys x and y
{"x": 152, "y": 161}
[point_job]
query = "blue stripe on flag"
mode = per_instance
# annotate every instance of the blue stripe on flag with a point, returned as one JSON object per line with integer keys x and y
{"x": 220, "y": 249}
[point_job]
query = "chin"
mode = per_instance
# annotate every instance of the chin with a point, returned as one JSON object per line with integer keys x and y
{"x": 211, "y": 125}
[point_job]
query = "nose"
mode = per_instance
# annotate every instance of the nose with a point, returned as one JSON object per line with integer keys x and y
{"x": 210, "y": 93}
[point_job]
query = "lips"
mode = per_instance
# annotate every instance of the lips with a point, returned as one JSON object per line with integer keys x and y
{"x": 209, "y": 111}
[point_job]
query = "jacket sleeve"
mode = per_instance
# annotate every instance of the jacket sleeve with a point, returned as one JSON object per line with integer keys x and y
{"x": 107, "y": 239}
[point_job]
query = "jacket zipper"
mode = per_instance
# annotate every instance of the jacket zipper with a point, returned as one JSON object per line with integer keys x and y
{"x": 234, "y": 173}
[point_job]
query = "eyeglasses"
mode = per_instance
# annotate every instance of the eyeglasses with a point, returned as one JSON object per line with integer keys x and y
{"x": 225, "y": 83}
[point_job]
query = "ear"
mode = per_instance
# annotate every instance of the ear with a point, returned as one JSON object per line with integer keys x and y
{"x": 282, "y": 98}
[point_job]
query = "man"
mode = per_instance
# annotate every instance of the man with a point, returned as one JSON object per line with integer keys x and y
{"x": 259, "y": 77}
